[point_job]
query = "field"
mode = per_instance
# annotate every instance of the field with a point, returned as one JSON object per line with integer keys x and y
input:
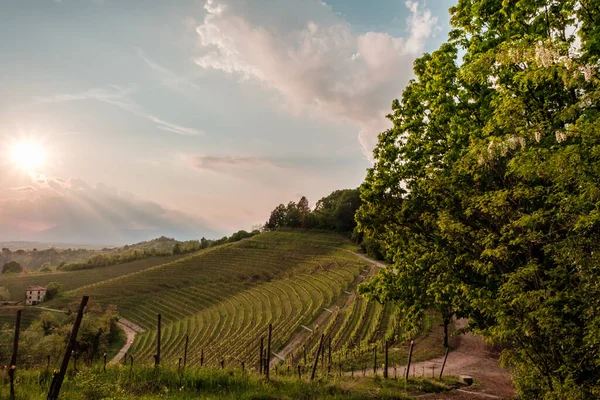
{"x": 17, "y": 283}
{"x": 223, "y": 299}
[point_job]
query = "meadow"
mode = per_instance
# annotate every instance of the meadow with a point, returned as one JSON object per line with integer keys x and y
{"x": 17, "y": 283}
{"x": 139, "y": 382}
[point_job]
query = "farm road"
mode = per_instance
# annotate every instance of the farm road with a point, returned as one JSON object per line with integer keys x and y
{"x": 471, "y": 356}
{"x": 298, "y": 338}
{"x": 130, "y": 330}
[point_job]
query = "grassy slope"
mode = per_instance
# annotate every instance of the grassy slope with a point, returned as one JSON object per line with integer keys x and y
{"x": 17, "y": 283}
{"x": 147, "y": 383}
{"x": 225, "y": 297}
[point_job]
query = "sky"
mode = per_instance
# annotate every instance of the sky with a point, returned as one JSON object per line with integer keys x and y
{"x": 122, "y": 121}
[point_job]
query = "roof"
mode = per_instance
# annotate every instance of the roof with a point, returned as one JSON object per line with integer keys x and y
{"x": 37, "y": 287}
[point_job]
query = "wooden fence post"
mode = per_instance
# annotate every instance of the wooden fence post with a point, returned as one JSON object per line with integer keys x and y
{"x": 13, "y": 358}
{"x": 412, "y": 344}
{"x": 375, "y": 360}
{"x": 187, "y": 338}
{"x": 268, "y": 361}
{"x": 314, "y": 370}
{"x": 261, "y": 361}
{"x": 105, "y": 362}
{"x": 157, "y": 358}
{"x": 444, "y": 363}
{"x": 304, "y": 349}
{"x": 385, "y": 366}
{"x": 299, "y": 372}
{"x": 329, "y": 351}
{"x": 201, "y": 357}
{"x": 243, "y": 366}
{"x": 58, "y": 379}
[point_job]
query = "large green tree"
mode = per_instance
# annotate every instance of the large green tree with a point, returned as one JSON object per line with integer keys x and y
{"x": 486, "y": 195}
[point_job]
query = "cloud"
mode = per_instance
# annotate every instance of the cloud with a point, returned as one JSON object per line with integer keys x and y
{"x": 118, "y": 96}
{"x": 225, "y": 163}
{"x": 321, "y": 65}
{"x": 73, "y": 211}
{"x": 170, "y": 78}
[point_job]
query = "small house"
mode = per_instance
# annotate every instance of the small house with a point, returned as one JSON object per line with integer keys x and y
{"x": 35, "y": 295}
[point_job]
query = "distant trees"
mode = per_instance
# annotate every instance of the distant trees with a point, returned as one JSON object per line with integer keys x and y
{"x": 334, "y": 212}
{"x": 12, "y": 267}
{"x": 46, "y": 267}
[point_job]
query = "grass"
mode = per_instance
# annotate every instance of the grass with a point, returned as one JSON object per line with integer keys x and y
{"x": 17, "y": 283}
{"x": 120, "y": 382}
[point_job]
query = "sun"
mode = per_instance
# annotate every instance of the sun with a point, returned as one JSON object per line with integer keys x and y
{"x": 28, "y": 155}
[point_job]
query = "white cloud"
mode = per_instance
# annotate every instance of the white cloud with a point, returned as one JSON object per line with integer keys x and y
{"x": 118, "y": 96}
{"x": 323, "y": 65}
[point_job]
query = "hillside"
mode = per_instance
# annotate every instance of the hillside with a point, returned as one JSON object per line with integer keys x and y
{"x": 225, "y": 297}
{"x": 17, "y": 283}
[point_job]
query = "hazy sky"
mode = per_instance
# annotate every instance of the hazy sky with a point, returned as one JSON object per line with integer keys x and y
{"x": 126, "y": 120}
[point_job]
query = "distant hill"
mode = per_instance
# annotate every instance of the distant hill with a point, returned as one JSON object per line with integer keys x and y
{"x": 23, "y": 245}
{"x": 33, "y": 255}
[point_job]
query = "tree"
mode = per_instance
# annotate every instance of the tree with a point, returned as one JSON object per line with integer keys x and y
{"x": 485, "y": 193}
{"x": 176, "y": 248}
{"x": 277, "y": 218}
{"x": 46, "y": 267}
{"x": 53, "y": 290}
{"x": 239, "y": 235}
{"x": 12, "y": 266}
{"x": 304, "y": 209}
{"x": 4, "y": 294}
{"x": 293, "y": 217}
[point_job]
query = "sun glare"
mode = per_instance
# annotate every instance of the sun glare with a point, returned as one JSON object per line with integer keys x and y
{"x": 28, "y": 155}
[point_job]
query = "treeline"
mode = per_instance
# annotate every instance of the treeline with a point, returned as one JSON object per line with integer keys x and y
{"x": 334, "y": 212}
{"x": 42, "y": 259}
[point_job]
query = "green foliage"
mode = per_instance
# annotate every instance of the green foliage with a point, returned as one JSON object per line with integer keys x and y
{"x": 53, "y": 290}
{"x": 47, "y": 336}
{"x": 12, "y": 267}
{"x": 334, "y": 213}
{"x": 145, "y": 382}
{"x": 17, "y": 284}
{"x": 485, "y": 192}
{"x": 4, "y": 294}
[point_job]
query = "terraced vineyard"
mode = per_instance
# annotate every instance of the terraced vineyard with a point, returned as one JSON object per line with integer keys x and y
{"x": 224, "y": 298}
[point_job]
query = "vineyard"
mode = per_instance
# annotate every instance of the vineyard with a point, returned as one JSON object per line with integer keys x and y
{"x": 217, "y": 306}
{"x": 223, "y": 299}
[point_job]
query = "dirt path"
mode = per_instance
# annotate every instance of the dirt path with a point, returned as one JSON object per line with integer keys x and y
{"x": 130, "y": 330}
{"x": 300, "y": 337}
{"x": 50, "y": 309}
{"x": 378, "y": 264}
{"x": 472, "y": 357}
